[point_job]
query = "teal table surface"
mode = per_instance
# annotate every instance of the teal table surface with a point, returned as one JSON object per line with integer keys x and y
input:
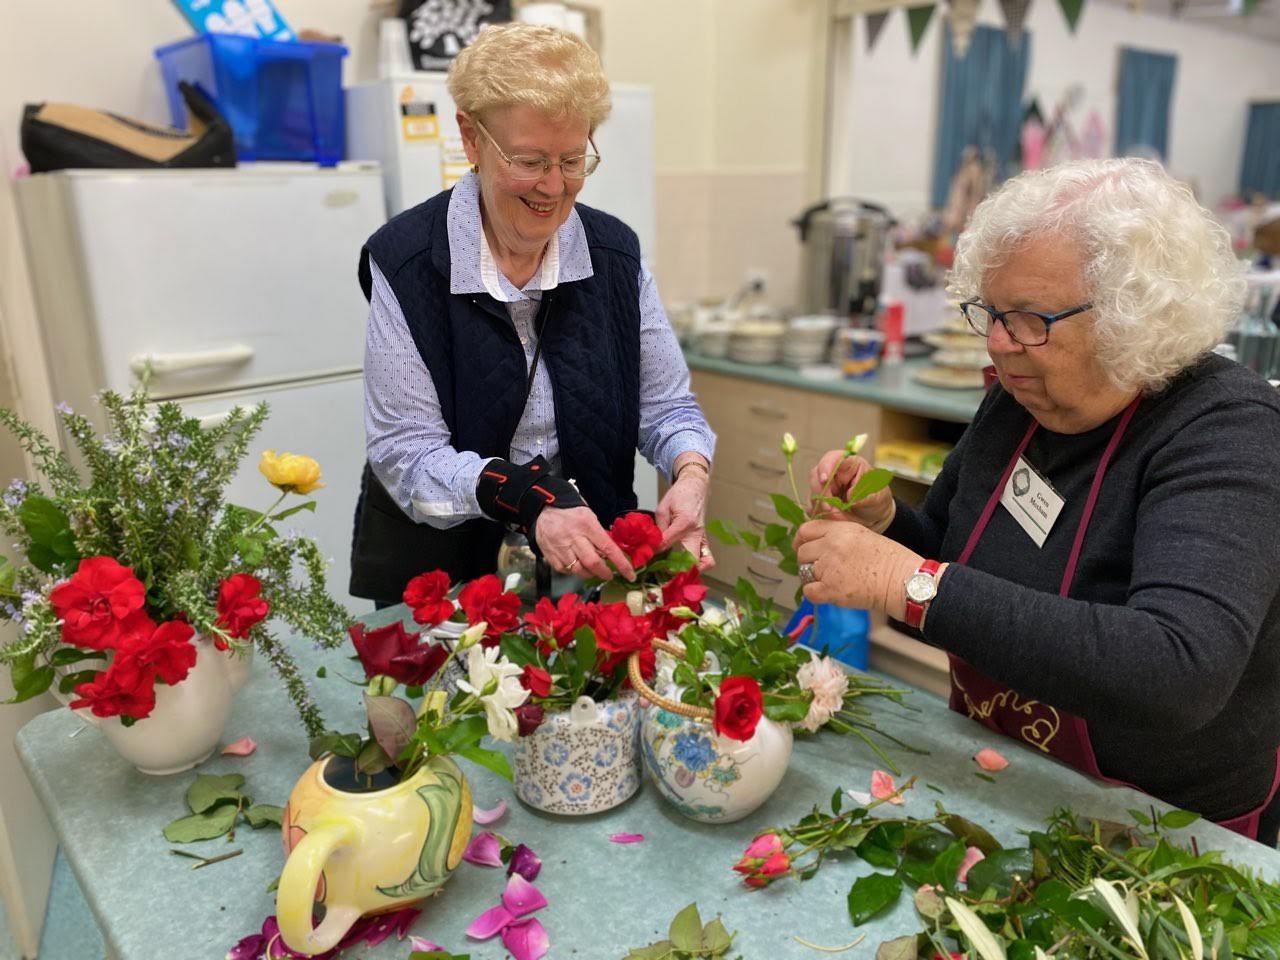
{"x": 889, "y": 386}
{"x": 603, "y": 897}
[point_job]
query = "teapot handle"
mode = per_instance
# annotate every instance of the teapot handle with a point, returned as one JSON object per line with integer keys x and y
{"x": 296, "y": 894}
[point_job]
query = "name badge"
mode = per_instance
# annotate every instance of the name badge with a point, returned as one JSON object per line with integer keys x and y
{"x": 1032, "y": 501}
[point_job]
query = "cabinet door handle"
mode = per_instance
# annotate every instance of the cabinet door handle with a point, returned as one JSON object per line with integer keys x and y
{"x": 768, "y": 412}
{"x": 771, "y": 471}
{"x": 762, "y": 577}
{"x": 165, "y": 363}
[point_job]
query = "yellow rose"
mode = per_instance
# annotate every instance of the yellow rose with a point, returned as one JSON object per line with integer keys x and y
{"x": 291, "y": 472}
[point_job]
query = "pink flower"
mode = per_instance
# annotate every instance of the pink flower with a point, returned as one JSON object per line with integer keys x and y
{"x": 484, "y": 849}
{"x": 828, "y": 683}
{"x": 971, "y": 856}
{"x": 763, "y": 846}
{"x": 989, "y": 759}
{"x": 882, "y": 787}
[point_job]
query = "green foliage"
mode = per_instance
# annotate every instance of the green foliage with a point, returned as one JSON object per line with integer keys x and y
{"x": 217, "y": 803}
{"x": 688, "y": 938}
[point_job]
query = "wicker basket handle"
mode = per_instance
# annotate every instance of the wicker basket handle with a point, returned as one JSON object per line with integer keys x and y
{"x": 646, "y": 691}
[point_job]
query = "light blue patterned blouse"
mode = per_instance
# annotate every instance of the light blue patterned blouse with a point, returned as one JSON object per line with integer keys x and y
{"x": 407, "y": 440}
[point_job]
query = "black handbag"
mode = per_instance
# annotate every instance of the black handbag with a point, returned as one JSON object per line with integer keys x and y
{"x": 64, "y": 136}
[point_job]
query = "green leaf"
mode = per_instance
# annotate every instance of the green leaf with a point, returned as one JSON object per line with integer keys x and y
{"x": 928, "y": 904}
{"x": 871, "y": 894}
{"x": 202, "y": 826}
{"x": 787, "y": 509}
{"x": 341, "y": 744}
{"x": 1139, "y": 817}
{"x": 899, "y": 948}
{"x": 789, "y": 565}
{"x": 776, "y": 533}
{"x": 43, "y": 558}
{"x": 1177, "y": 819}
{"x": 999, "y": 870}
{"x": 66, "y": 656}
{"x": 880, "y": 847}
{"x": 518, "y": 649}
{"x": 584, "y": 641}
{"x": 654, "y": 951}
{"x": 372, "y": 759}
{"x": 752, "y": 540}
{"x": 971, "y": 833}
{"x": 392, "y": 722}
{"x": 715, "y": 938}
{"x": 947, "y": 865}
{"x": 297, "y": 508}
{"x": 262, "y": 814}
{"x": 686, "y": 930}
{"x": 209, "y": 790}
{"x": 321, "y": 672}
{"x": 489, "y": 759}
{"x": 837, "y": 801}
{"x": 779, "y": 710}
{"x": 8, "y": 573}
{"x": 29, "y": 680}
{"x": 43, "y": 520}
{"x": 70, "y": 681}
{"x": 873, "y": 481}
{"x": 726, "y": 533}
{"x": 463, "y": 734}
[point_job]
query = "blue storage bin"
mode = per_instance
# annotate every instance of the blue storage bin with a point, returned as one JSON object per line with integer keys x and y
{"x": 842, "y": 630}
{"x": 283, "y": 100}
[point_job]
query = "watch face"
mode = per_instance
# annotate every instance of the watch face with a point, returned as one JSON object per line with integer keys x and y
{"x": 921, "y": 587}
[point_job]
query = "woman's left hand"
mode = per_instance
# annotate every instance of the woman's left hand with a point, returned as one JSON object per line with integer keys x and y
{"x": 854, "y": 567}
{"x": 681, "y": 515}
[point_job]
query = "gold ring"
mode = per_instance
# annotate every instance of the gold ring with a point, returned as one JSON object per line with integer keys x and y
{"x": 571, "y": 564}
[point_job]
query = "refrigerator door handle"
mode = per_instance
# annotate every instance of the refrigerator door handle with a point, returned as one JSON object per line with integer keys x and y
{"x": 166, "y": 363}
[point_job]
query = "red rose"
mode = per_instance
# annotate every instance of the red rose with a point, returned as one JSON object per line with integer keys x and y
{"x": 536, "y": 680}
{"x": 101, "y": 605}
{"x": 685, "y": 589}
{"x": 647, "y": 660}
{"x": 391, "y": 651}
{"x": 638, "y": 536}
{"x": 739, "y": 707}
{"x": 106, "y": 696}
{"x": 427, "y": 594}
{"x": 618, "y": 630}
{"x": 168, "y": 654}
{"x": 484, "y": 599}
{"x": 554, "y": 624}
{"x": 239, "y": 606}
{"x": 529, "y": 717}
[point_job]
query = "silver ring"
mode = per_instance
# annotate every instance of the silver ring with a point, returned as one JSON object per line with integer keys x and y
{"x": 703, "y": 551}
{"x": 806, "y": 573}
{"x": 570, "y": 565}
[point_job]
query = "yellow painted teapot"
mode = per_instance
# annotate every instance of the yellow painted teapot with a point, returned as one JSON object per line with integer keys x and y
{"x": 360, "y": 853}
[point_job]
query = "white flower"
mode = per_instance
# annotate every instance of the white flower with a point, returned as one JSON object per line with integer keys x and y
{"x": 495, "y": 680}
{"x": 829, "y": 683}
{"x": 713, "y": 616}
{"x": 635, "y": 602}
{"x": 471, "y": 636}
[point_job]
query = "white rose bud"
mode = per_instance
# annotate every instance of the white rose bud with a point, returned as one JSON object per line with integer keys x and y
{"x": 635, "y": 602}
{"x": 856, "y": 444}
{"x": 788, "y": 445}
{"x": 471, "y": 636}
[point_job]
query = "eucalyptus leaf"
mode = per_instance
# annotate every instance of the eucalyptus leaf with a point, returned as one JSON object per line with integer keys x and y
{"x": 871, "y": 894}
{"x": 686, "y": 929}
{"x": 209, "y": 790}
{"x": 202, "y": 826}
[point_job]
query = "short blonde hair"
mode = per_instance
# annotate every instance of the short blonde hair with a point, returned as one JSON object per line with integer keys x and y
{"x": 1164, "y": 281}
{"x": 552, "y": 70}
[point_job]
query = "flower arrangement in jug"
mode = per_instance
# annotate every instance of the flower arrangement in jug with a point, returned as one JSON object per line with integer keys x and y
{"x": 127, "y": 565}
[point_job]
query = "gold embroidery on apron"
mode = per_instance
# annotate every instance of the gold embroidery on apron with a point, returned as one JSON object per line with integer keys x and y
{"x": 1039, "y": 732}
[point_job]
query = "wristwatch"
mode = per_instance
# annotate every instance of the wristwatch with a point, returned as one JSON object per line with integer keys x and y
{"x": 922, "y": 586}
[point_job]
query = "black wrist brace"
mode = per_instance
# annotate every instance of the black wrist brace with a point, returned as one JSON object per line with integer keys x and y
{"x": 514, "y": 494}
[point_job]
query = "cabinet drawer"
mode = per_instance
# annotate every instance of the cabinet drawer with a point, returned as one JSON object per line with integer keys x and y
{"x": 834, "y": 421}
{"x": 748, "y": 510}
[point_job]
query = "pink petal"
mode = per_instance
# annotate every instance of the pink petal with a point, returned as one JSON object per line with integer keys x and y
{"x": 882, "y": 786}
{"x": 626, "y": 837}
{"x": 488, "y": 923}
{"x": 423, "y": 944}
{"x": 764, "y": 846}
{"x": 484, "y": 850}
{"x": 526, "y": 939}
{"x": 971, "y": 856}
{"x": 240, "y": 748}
{"x": 486, "y": 817}
{"x": 521, "y": 896}
{"x": 989, "y": 759}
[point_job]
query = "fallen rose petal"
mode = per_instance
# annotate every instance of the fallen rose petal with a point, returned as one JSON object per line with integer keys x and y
{"x": 484, "y": 850}
{"x": 423, "y": 944}
{"x": 989, "y": 759}
{"x": 490, "y": 922}
{"x": 526, "y": 939}
{"x": 882, "y": 787}
{"x": 486, "y": 817}
{"x": 240, "y": 748}
{"x": 860, "y": 798}
{"x": 524, "y": 862}
{"x": 521, "y": 896}
{"x": 626, "y": 837}
{"x": 971, "y": 856}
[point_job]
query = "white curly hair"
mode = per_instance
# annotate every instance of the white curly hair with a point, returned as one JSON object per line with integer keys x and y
{"x": 1162, "y": 276}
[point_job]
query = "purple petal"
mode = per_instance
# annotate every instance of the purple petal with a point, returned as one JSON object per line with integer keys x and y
{"x": 488, "y": 923}
{"x": 522, "y": 897}
{"x": 524, "y": 862}
{"x": 626, "y": 837}
{"x": 380, "y": 927}
{"x": 250, "y": 948}
{"x": 423, "y": 944}
{"x": 483, "y": 849}
{"x": 526, "y": 939}
{"x": 485, "y": 817}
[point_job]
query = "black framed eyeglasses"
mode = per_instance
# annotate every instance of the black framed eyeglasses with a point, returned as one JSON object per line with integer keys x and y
{"x": 1027, "y": 327}
{"x": 535, "y": 168}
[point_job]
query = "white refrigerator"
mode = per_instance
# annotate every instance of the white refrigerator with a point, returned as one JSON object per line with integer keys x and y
{"x": 238, "y": 286}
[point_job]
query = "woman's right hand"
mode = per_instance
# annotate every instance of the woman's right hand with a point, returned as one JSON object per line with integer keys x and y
{"x": 573, "y": 541}
{"x": 874, "y": 512}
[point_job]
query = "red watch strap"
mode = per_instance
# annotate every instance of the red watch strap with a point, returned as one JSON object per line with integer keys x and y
{"x": 915, "y": 611}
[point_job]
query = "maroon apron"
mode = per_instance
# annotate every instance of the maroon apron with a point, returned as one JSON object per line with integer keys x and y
{"x": 1053, "y": 731}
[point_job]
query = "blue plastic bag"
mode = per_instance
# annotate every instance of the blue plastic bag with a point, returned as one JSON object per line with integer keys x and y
{"x": 842, "y": 630}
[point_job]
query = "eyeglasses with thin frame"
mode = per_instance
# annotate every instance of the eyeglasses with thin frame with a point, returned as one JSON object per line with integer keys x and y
{"x": 1027, "y": 327}
{"x": 535, "y": 168}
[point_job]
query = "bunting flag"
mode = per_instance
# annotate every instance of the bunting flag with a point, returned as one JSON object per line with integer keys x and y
{"x": 875, "y": 23}
{"x": 918, "y": 20}
{"x": 1071, "y": 10}
{"x": 963, "y": 16}
{"x": 1015, "y": 15}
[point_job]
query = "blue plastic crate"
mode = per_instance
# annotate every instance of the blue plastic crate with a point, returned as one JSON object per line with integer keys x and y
{"x": 283, "y": 100}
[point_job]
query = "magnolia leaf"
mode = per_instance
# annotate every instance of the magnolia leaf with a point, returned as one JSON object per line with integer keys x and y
{"x": 787, "y": 509}
{"x": 971, "y": 925}
{"x": 716, "y": 939}
{"x": 261, "y": 814}
{"x": 899, "y": 948}
{"x": 1193, "y": 928}
{"x": 392, "y": 722}
{"x": 928, "y": 904}
{"x": 372, "y": 759}
{"x": 202, "y": 826}
{"x": 489, "y": 759}
{"x": 209, "y": 790}
{"x": 871, "y": 894}
{"x": 1177, "y": 819}
{"x": 686, "y": 930}
{"x": 726, "y": 533}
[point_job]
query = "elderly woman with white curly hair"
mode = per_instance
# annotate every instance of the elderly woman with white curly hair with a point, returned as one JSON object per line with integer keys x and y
{"x": 1100, "y": 556}
{"x": 517, "y": 353}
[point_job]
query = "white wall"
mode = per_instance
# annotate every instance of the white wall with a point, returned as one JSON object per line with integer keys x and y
{"x": 886, "y": 150}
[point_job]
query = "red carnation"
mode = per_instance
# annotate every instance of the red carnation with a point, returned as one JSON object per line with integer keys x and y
{"x": 101, "y": 605}
{"x": 739, "y": 707}
{"x": 638, "y": 536}
{"x": 685, "y": 589}
{"x": 239, "y": 606}
{"x": 428, "y": 595}
{"x": 484, "y": 599}
{"x": 391, "y": 651}
{"x": 536, "y": 680}
{"x": 106, "y": 696}
{"x": 554, "y": 624}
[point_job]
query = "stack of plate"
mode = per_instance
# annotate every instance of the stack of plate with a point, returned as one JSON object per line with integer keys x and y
{"x": 757, "y": 341}
{"x": 807, "y": 340}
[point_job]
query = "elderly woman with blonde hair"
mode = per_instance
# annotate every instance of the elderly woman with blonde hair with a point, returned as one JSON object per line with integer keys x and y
{"x": 517, "y": 353}
{"x": 1100, "y": 556}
